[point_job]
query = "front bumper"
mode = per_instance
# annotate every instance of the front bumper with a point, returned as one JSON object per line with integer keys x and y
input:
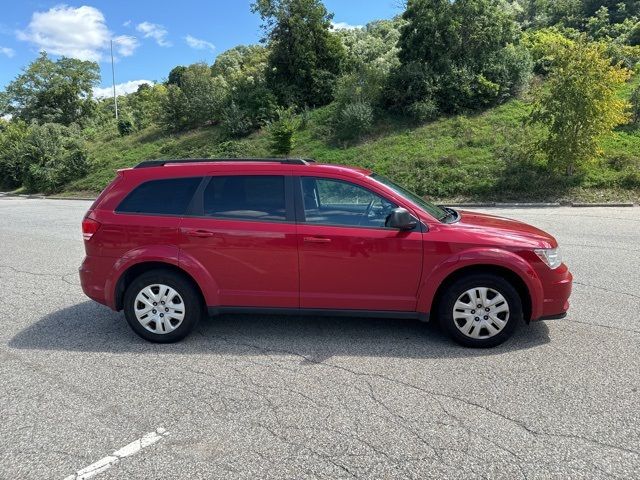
{"x": 557, "y": 285}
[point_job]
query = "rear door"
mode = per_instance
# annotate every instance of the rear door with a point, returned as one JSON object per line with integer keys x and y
{"x": 241, "y": 228}
{"x": 348, "y": 258}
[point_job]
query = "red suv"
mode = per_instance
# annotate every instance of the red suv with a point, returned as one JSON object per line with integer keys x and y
{"x": 171, "y": 241}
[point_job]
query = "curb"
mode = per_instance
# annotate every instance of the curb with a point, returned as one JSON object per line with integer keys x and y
{"x": 44, "y": 197}
{"x": 613, "y": 204}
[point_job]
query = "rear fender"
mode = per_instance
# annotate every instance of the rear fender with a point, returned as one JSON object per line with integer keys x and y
{"x": 160, "y": 254}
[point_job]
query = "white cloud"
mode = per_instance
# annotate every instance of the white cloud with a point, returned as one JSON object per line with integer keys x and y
{"x": 344, "y": 26}
{"x": 199, "y": 44}
{"x": 7, "y": 117}
{"x": 74, "y": 32}
{"x": 126, "y": 45}
{"x": 121, "y": 88}
{"x": 9, "y": 52}
{"x": 127, "y": 23}
{"x": 155, "y": 31}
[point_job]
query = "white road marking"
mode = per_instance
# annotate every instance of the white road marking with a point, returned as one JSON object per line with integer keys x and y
{"x": 126, "y": 451}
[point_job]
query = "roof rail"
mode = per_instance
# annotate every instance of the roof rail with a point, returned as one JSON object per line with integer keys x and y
{"x": 161, "y": 163}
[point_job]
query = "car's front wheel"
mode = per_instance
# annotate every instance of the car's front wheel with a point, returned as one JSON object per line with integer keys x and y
{"x": 162, "y": 306}
{"x": 480, "y": 310}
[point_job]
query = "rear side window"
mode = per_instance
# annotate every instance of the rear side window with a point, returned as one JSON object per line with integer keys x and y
{"x": 257, "y": 197}
{"x": 169, "y": 196}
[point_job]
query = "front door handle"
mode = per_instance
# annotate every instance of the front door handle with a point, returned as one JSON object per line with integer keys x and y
{"x": 316, "y": 240}
{"x": 197, "y": 233}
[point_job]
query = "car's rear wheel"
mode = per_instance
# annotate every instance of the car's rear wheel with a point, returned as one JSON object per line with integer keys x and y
{"x": 162, "y": 306}
{"x": 480, "y": 310}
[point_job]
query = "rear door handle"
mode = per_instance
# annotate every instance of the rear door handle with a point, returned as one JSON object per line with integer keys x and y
{"x": 197, "y": 233}
{"x": 316, "y": 240}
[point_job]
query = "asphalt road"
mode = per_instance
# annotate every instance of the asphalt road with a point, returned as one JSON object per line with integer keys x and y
{"x": 285, "y": 397}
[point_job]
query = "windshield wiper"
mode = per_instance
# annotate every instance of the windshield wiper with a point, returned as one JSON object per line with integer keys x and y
{"x": 450, "y": 212}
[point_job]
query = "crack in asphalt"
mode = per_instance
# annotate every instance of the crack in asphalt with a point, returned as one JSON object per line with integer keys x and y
{"x": 43, "y": 274}
{"x": 471, "y": 403}
{"x": 582, "y": 284}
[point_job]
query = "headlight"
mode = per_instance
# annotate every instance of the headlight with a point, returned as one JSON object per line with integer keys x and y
{"x": 550, "y": 256}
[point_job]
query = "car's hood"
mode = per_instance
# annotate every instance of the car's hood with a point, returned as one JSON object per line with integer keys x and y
{"x": 505, "y": 229}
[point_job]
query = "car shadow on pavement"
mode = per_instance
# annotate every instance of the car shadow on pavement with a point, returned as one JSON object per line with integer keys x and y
{"x": 90, "y": 327}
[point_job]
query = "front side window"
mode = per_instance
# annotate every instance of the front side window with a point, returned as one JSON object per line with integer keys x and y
{"x": 250, "y": 197}
{"x": 335, "y": 202}
{"x": 169, "y": 196}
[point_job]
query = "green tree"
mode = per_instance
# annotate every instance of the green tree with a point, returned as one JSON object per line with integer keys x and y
{"x": 243, "y": 69}
{"x": 579, "y": 105}
{"x": 374, "y": 46}
{"x": 282, "y": 132}
{"x": 12, "y": 136}
{"x": 49, "y": 91}
{"x": 205, "y": 94}
{"x": 304, "y": 56}
{"x": 174, "y": 111}
{"x": 145, "y": 104}
{"x": 53, "y": 156}
{"x": 464, "y": 54}
{"x": 175, "y": 75}
{"x": 198, "y": 100}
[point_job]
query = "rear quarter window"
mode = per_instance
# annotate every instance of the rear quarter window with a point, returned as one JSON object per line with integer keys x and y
{"x": 169, "y": 196}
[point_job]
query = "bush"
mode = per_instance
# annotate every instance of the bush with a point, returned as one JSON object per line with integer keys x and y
{"x": 125, "y": 126}
{"x": 11, "y": 150}
{"x": 229, "y": 149}
{"x": 353, "y": 121}
{"x": 282, "y": 132}
{"x": 630, "y": 178}
{"x": 174, "y": 111}
{"x": 635, "y": 105}
{"x": 235, "y": 122}
{"x": 423, "y": 110}
{"x": 54, "y": 155}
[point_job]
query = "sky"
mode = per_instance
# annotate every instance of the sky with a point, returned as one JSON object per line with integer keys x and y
{"x": 149, "y": 37}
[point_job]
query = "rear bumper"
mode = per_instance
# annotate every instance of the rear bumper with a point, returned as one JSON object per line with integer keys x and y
{"x": 94, "y": 272}
{"x": 557, "y": 290}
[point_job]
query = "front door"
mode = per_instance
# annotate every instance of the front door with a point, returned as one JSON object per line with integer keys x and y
{"x": 243, "y": 232}
{"x": 348, "y": 258}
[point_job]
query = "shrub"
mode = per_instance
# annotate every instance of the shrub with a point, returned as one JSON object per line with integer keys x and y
{"x": 282, "y": 132}
{"x": 229, "y": 149}
{"x": 579, "y": 105}
{"x": 235, "y": 122}
{"x": 423, "y": 110}
{"x": 635, "y": 105}
{"x": 353, "y": 121}
{"x": 630, "y": 178}
{"x": 11, "y": 150}
{"x": 125, "y": 126}
{"x": 54, "y": 155}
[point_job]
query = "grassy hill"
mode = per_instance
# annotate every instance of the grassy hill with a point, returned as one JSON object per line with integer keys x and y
{"x": 461, "y": 158}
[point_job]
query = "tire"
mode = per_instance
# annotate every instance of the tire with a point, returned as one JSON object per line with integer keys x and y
{"x": 183, "y": 307}
{"x": 488, "y": 328}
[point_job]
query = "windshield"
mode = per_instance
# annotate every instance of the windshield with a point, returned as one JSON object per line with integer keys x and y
{"x": 430, "y": 208}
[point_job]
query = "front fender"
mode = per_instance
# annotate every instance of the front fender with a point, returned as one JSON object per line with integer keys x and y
{"x": 435, "y": 275}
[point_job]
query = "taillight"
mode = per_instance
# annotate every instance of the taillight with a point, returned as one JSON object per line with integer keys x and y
{"x": 89, "y": 227}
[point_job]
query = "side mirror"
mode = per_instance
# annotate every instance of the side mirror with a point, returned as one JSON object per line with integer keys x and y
{"x": 401, "y": 219}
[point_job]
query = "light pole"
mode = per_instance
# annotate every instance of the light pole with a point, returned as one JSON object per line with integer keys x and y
{"x": 113, "y": 77}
